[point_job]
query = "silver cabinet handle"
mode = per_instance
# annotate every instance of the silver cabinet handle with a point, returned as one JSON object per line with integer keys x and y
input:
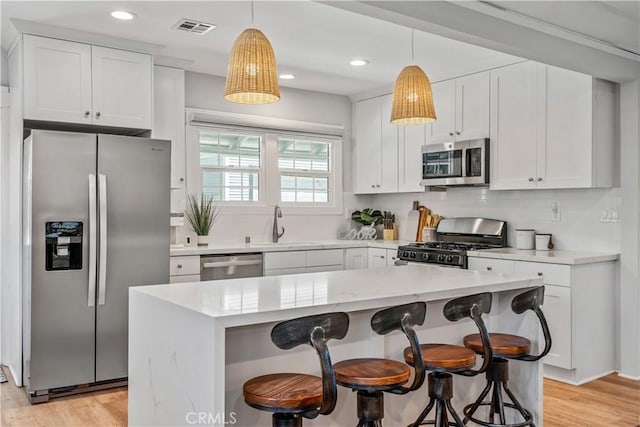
{"x": 230, "y": 263}
{"x": 93, "y": 222}
{"x": 181, "y": 179}
{"x": 530, "y": 179}
{"x": 457, "y": 132}
{"x": 87, "y": 113}
{"x": 373, "y": 186}
{"x": 489, "y": 268}
{"x": 540, "y": 273}
{"x": 98, "y": 114}
{"x": 378, "y": 185}
{"x": 179, "y": 265}
{"x": 102, "y": 265}
{"x": 450, "y": 133}
{"x": 539, "y": 178}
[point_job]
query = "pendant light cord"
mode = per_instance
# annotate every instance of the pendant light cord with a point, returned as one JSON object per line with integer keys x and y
{"x": 412, "y": 61}
{"x": 252, "y": 24}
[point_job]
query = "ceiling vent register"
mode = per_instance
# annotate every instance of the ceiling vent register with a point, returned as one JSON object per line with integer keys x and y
{"x": 193, "y": 26}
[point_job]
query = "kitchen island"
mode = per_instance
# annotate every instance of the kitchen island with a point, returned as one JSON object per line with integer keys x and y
{"x": 193, "y": 345}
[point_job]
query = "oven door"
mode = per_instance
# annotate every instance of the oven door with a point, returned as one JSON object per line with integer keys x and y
{"x": 441, "y": 162}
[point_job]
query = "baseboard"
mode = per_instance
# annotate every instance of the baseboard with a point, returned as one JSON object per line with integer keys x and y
{"x": 629, "y": 377}
{"x": 595, "y": 377}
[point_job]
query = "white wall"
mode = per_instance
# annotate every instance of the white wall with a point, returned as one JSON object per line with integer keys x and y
{"x": 207, "y": 92}
{"x": 4, "y": 68}
{"x": 630, "y": 242}
{"x": 580, "y": 210}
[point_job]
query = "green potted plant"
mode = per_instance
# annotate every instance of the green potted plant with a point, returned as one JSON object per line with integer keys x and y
{"x": 201, "y": 213}
{"x": 368, "y": 217}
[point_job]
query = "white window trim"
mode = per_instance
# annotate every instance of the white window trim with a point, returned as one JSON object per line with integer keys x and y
{"x": 269, "y": 173}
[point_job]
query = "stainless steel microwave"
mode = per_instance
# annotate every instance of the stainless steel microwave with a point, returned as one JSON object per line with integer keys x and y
{"x": 456, "y": 163}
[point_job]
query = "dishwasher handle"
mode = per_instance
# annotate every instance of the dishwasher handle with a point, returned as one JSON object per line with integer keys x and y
{"x": 230, "y": 263}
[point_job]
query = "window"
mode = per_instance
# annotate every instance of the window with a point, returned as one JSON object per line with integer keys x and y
{"x": 304, "y": 167}
{"x": 230, "y": 165}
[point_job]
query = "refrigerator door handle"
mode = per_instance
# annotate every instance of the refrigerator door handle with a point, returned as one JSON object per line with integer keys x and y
{"x": 93, "y": 222}
{"x": 102, "y": 266}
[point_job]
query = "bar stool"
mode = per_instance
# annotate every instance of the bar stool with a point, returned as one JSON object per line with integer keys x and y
{"x": 445, "y": 359}
{"x": 370, "y": 377}
{"x": 293, "y": 396}
{"x": 506, "y": 346}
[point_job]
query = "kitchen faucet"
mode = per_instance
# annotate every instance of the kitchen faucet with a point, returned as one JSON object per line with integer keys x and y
{"x": 277, "y": 213}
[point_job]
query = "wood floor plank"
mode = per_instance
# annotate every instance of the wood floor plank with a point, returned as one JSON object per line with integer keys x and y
{"x": 611, "y": 401}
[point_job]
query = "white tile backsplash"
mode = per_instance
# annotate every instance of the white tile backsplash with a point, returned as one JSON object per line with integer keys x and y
{"x": 579, "y": 227}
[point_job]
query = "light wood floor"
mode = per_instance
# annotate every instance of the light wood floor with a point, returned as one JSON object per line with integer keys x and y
{"x": 611, "y": 401}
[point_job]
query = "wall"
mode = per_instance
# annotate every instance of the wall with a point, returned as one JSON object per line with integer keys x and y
{"x": 580, "y": 210}
{"x": 4, "y": 68}
{"x": 207, "y": 92}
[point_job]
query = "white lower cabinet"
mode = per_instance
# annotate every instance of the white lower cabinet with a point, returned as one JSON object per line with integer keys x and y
{"x": 296, "y": 262}
{"x": 355, "y": 258}
{"x": 579, "y": 306}
{"x": 184, "y": 269}
{"x": 380, "y": 257}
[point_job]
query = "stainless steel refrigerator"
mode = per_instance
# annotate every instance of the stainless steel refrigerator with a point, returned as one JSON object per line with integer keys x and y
{"x": 95, "y": 221}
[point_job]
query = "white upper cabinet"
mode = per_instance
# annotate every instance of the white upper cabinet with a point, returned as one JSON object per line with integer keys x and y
{"x": 375, "y": 153}
{"x": 462, "y": 109}
{"x": 121, "y": 84}
{"x": 551, "y": 128}
{"x": 57, "y": 80}
{"x": 169, "y": 117}
{"x": 78, "y": 83}
{"x": 412, "y": 138}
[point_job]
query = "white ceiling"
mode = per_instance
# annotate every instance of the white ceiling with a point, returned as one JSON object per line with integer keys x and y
{"x": 314, "y": 41}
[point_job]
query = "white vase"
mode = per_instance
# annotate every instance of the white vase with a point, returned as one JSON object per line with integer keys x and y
{"x": 203, "y": 240}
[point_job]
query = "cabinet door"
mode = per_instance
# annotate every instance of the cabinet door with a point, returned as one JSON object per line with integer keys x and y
{"x": 472, "y": 107}
{"x": 57, "y": 80}
{"x": 557, "y": 311}
{"x": 389, "y": 150}
{"x": 168, "y": 117}
{"x": 513, "y": 127}
{"x": 121, "y": 87}
{"x": 355, "y": 258}
{"x": 565, "y": 154}
{"x": 410, "y": 158}
{"x": 444, "y": 101}
{"x": 488, "y": 264}
{"x": 377, "y": 258}
{"x": 367, "y": 145}
{"x": 392, "y": 257}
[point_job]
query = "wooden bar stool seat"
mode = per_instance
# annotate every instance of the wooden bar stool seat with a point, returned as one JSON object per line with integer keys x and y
{"x": 504, "y": 345}
{"x": 445, "y": 359}
{"x": 292, "y": 396}
{"x": 366, "y": 373}
{"x": 297, "y": 392}
{"x": 443, "y": 356}
{"x": 372, "y": 377}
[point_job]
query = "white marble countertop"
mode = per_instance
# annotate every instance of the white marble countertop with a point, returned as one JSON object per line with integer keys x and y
{"x": 213, "y": 249}
{"x": 261, "y": 299}
{"x": 551, "y": 257}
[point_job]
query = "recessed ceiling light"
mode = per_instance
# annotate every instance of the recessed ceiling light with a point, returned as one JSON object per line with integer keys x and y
{"x": 123, "y": 15}
{"x": 358, "y": 62}
{"x": 287, "y": 76}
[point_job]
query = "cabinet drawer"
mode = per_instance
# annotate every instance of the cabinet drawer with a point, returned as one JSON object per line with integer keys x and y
{"x": 553, "y": 274}
{"x": 184, "y": 265}
{"x": 280, "y": 260}
{"x": 487, "y": 264}
{"x": 324, "y": 257}
{"x": 185, "y": 278}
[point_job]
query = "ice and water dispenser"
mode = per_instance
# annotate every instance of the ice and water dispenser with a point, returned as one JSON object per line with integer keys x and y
{"x": 63, "y": 245}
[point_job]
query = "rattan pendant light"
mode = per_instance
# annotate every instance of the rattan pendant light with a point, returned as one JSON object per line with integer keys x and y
{"x": 251, "y": 75}
{"x": 412, "y": 97}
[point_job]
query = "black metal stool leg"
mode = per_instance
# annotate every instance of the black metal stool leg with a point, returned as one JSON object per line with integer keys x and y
{"x": 474, "y": 407}
{"x": 440, "y": 394}
{"x": 286, "y": 420}
{"x": 525, "y": 414}
{"x": 370, "y": 408}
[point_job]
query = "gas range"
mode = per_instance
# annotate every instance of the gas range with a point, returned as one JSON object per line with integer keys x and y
{"x": 456, "y": 236}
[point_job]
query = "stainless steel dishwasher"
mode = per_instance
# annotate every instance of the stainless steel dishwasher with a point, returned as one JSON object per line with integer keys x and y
{"x": 230, "y": 266}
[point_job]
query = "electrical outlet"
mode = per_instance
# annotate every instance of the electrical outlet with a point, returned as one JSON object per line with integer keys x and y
{"x": 605, "y": 216}
{"x": 555, "y": 212}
